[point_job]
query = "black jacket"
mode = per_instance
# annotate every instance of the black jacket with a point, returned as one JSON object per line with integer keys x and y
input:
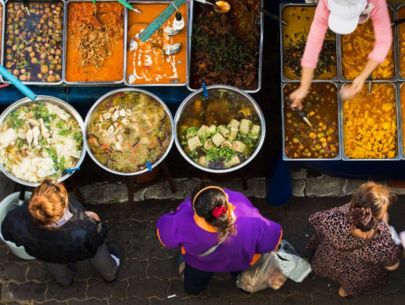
{"x": 78, "y": 239}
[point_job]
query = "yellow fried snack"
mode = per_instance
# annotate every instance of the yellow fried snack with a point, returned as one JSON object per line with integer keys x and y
{"x": 355, "y": 50}
{"x": 370, "y": 125}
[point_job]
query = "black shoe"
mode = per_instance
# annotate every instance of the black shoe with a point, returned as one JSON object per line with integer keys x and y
{"x": 115, "y": 249}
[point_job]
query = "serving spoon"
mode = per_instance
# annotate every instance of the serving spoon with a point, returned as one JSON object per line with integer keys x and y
{"x": 221, "y": 7}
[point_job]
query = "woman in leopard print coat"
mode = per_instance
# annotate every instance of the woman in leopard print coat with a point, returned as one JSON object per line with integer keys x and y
{"x": 352, "y": 244}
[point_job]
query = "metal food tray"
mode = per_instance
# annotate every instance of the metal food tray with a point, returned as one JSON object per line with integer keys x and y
{"x": 339, "y": 125}
{"x": 64, "y": 63}
{"x": 260, "y": 68}
{"x": 395, "y": 55}
{"x": 397, "y": 44}
{"x": 3, "y": 43}
{"x": 2, "y": 33}
{"x": 399, "y": 129}
{"x": 338, "y": 76}
{"x": 399, "y": 85}
{"x": 188, "y": 25}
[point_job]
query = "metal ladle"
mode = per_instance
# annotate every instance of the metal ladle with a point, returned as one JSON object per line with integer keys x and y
{"x": 221, "y": 7}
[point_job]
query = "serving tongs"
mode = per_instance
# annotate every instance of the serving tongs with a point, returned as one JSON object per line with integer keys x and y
{"x": 303, "y": 116}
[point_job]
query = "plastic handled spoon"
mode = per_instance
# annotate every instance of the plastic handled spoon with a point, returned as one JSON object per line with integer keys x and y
{"x": 17, "y": 83}
{"x": 95, "y": 13}
{"x": 129, "y": 6}
{"x": 149, "y": 166}
{"x": 161, "y": 19}
{"x": 204, "y": 91}
{"x": 69, "y": 171}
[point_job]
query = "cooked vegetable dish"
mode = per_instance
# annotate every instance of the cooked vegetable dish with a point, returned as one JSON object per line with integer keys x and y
{"x": 355, "y": 50}
{"x": 33, "y": 42}
{"x": 95, "y": 45}
{"x": 401, "y": 36}
{"x": 225, "y": 47}
{"x": 321, "y": 108}
{"x": 370, "y": 124}
{"x": 220, "y": 132}
{"x": 39, "y": 140}
{"x": 162, "y": 59}
{"x": 299, "y": 20}
{"x": 127, "y": 130}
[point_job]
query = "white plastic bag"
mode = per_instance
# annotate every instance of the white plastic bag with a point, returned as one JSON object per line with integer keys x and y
{"x": 265, "y": 273}
{"x": 291, "y": 264}
{"x": 273, "y": 269}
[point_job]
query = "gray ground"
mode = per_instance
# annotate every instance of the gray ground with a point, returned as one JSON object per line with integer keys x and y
{"x": 149, "y": 276}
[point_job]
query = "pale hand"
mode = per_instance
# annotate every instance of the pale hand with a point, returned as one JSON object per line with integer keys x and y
{"x": 296, "y": 98}
{"x": 350, "y": 91}
{"x": 92, "y": 215}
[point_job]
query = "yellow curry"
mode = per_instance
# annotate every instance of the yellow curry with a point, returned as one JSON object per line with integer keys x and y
{"x": 370, "y": 124}
{"x": 403, "y": 113}
{"x": 150, "y": 62}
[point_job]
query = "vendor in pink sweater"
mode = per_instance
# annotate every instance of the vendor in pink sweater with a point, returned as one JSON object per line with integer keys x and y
{"x": 342, "y": 17}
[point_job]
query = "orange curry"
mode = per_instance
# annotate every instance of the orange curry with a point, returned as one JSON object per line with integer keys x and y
{"x": 147, "y": 62}
{"x": 95, "y": 46}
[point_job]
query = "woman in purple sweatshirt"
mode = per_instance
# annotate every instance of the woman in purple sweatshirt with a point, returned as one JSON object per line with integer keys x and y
{"x": 217, "y": 230}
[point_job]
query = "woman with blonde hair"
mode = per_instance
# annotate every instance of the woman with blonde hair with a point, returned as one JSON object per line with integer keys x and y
{"x": 352, "y": 244}
{"x": 56, "y": 230}
{"x": 217, "y": 230}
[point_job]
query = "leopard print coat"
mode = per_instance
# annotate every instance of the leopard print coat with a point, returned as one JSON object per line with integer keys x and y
{"x": 356, "y": 264}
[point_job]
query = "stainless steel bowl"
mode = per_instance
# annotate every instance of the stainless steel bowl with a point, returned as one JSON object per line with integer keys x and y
{"x": 255, "y": 106}
{"x": 49, "y": 99}
{"x": 105, "y": 96}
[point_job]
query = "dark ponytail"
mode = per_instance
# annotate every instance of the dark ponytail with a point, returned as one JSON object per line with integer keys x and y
{"x": 211, "y": 203}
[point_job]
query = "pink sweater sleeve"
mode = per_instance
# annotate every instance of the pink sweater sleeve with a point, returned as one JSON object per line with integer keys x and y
{"x": 316, "y": 36}
{"x": 382, "y": 31}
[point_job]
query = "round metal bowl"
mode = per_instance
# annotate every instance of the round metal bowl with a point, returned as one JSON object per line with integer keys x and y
{"x": 58, "y": 102}
{"x": 255, "y": 106}
{"x": 100, "y": 100}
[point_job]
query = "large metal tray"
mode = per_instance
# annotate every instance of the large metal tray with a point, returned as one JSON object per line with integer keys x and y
{"x": 259, "y": 77}
{"x": 339, "y": 125}
{"x": 394, "y": 51}
{"x": 399, "y": 130}
{"x": 188, "y": 26}
{"x": 3, "y": 43}
{"x": 284, "y": 78}
{"x": 2, "y": 32}
{"x": 65, "y": 29}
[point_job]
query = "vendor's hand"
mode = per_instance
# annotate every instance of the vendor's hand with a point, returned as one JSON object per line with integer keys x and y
{"x": 296, "y": 98}
{"x": 92, "y": 215}
{"x": 350, "y": 91}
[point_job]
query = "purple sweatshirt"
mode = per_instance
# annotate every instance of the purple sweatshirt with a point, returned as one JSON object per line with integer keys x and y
{"x": 254, "y": 235}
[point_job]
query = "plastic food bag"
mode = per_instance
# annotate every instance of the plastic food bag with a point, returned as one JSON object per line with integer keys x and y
{"x": 273, "y": 269}
{"x": 265, "y": 273}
